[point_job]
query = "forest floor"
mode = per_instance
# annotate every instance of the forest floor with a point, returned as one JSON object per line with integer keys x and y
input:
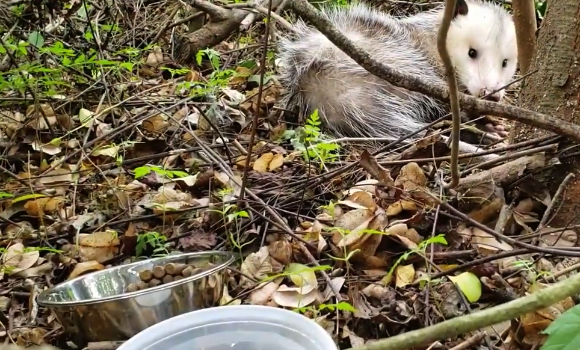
{"x": 121, "y": 142}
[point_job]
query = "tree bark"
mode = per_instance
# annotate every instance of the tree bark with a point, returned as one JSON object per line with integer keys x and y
{"x": 526, "y": 26}
{"x": 555, "y": 89}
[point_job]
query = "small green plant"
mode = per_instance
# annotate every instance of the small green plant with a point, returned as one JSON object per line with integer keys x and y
{"x": 329, "y": 207}
{"x": 533, "y": 274}
{"x": 347, "y": 254}
{"x": 154, "y": 240}
{"x": 312, "y": 142}
{"x": 419, "y": 250}
{"x": 231, "y": 214}
{"x": 342, "y": 306}
{"x": 296, "y": 272}
{"x": 146, "y": 169}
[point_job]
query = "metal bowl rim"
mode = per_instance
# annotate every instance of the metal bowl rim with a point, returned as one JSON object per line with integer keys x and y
{"x": 41, "y": 298}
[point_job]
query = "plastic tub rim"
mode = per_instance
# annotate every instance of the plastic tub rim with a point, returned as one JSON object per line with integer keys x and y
{"x": 231, "y": 313}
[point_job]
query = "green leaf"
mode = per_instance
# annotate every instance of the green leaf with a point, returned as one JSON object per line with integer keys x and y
{"x": 36, "y": 39}
{"x": 28, "y": 196}
{"x": 142, "y": 171}
{"x": 563, "y": 332}
{"x": 344, "y": 306}
{"x": 56, "y": 141}
{"x": 6, "y": 195}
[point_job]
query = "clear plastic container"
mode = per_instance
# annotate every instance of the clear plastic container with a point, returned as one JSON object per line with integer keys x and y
{"x": 239, "y": 327}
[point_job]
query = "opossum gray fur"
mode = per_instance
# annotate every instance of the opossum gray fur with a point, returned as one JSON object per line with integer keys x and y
{"x": 353, "y": 102}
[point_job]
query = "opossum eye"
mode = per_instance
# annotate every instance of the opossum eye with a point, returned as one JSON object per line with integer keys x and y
{"x": 472, "y": 53}
{"x": 504, "y": 63}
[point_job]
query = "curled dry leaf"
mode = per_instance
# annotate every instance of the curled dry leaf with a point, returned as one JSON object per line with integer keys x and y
{"x": 360, "y": 200}
{"x": 400, "y": 205}
{"x": 295, "y": 297}
{"x": 560, "y": 239}
{"x": 46, "y": 148}
{"x": 17, "y": 259}
{"x": 264, "y": 291}
{"x": 353, "y": 221}
{"x": 37, "y": 118}
{"x": 335, "y": 284}
{"x": 405, "y": 274}
{"x": 85, "y": 267}
{"x": 226, "y": 298}
{"x": 281, "y": 250}
{"x": 262, "y": 163}
{"x": 370, "y": 164}
{"x": 62, "y": 176}
{"x": 46, "y": 205}
{"x": 302, "y": 275}
{"x": 413, "y": 181}
{"x": 257, "y": 265}
{"x": 97, "y": 246}
{"x": 487, "y": 244}
{"x": 276, "y": 162}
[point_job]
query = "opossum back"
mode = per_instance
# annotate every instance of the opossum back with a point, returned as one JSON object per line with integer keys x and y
{"x": 352, "y": 100}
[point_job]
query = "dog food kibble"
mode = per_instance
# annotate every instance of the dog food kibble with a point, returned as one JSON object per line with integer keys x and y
{"x": 163, "y": 274}
{"x": 132, "y": 287}
{"x": 154, "y": 282}
{"x": 190, "y": 271}
{"x": 142, "y": 285}
{"x": 146, "y": 275}
{"x": 158, "y": 272}
{"x": 174, "y": 269}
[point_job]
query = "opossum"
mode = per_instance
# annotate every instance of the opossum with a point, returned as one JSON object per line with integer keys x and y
{"x": 354, "y": 103}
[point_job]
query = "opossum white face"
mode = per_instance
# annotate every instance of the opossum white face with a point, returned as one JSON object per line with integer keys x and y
{"x": 482, "y": 45}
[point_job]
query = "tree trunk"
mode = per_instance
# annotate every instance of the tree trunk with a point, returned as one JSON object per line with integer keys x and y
{"x": 555, "y": 89}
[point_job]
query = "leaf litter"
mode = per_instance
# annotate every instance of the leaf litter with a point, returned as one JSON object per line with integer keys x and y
{"x": 130, "y": 153}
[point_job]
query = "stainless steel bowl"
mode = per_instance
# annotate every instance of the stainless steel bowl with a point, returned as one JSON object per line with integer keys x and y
{"x": 95, "y": 307}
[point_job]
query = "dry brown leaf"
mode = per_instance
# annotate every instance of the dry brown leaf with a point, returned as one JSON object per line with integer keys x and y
{"x": 156, "y": 124}
{"x": 264, "y": 291}
{"x": 155, "y": 57}
{"x": 295, "y": 297}
{"x": 85, "y": 267}
{"x": 360, "y": 200}
{"x": 59, "y": 176}
{"x": 257, "y": 265}
{"x": 98, "y": 246}
{"x": 405, "y": 274}
{"x": 282, "y": 251}
{"x": 16, "y": 259}
{"x": 413, "y": 181}
{"x": 487, "y": 244}
{"x": 370, "y": 164}
{"x": 276, "y": 162}
{"x": 361, "y": 217}
{"x": 262, "y": 163}
{"x": 565, "y": 239}
{"x": 400, "y": 205}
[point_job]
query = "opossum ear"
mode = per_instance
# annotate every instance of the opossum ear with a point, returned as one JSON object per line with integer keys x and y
{"x": 460, "y": 8}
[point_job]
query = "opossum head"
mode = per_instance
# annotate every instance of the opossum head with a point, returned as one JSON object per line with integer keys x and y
{"x": 482, "y": 45}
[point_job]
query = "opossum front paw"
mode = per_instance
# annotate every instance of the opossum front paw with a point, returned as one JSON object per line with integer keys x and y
{"x": 497, "y": 130}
